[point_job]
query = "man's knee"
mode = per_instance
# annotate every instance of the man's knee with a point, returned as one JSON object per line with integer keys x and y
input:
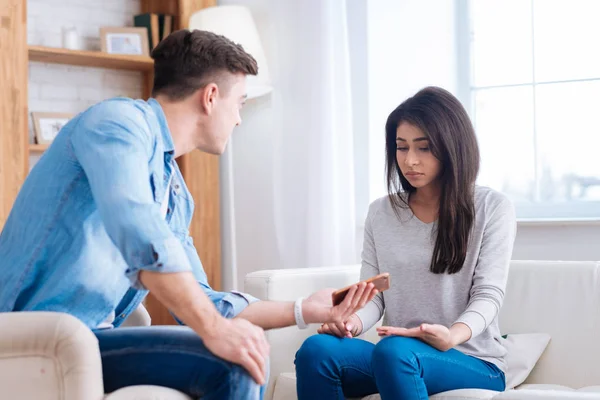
{"x": 243, "y": 386}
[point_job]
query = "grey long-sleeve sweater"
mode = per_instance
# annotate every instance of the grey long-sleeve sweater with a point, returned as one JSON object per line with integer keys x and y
{"x": 404, "y": 247}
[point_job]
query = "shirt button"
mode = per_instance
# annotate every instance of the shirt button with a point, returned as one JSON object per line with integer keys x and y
{"x": 176, "y": 186}
{"x": 159, "y": 265}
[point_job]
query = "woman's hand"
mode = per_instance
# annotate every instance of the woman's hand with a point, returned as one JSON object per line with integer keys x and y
{"x": 350, "y": 328}
{"x": 437, "y": 336}
{"x": 318, "y": 307}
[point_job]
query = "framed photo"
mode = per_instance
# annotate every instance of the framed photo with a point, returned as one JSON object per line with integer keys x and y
{"x": 46, "y": 125}
{"x": 119, "y": 40}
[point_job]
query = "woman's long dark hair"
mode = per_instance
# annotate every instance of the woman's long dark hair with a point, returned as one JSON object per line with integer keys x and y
{"x": 452, "y": 140}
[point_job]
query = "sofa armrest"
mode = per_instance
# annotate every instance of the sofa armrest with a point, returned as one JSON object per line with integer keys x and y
{"x": 45, "y": 355}
{"x": 288, "y": 285}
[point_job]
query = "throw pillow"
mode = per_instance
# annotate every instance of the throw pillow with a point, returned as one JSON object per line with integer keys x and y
{"x": 523, "y": 352}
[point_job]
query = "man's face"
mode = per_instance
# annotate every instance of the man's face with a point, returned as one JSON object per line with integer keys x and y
{"x": 225, "y": 113}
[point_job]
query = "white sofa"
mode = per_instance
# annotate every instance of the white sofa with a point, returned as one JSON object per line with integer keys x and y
{"x": 558, "y": 298}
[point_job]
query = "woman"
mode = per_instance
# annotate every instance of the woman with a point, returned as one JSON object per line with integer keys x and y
{"x": 447, "y": 245}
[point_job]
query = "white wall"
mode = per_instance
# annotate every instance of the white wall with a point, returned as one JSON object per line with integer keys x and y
{"x": 71, "y": 89}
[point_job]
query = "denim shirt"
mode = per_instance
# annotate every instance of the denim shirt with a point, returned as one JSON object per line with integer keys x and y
{"x": 87, "y": 219}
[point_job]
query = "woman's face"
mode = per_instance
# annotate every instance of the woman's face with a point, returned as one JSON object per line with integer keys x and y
{"x": 415, "y": 159}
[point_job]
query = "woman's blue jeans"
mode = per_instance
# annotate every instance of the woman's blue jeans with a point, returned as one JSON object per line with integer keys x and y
{"x": 398, "y": 368}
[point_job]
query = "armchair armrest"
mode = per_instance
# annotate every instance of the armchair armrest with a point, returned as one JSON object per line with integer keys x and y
{"x": 46, "y": 355}
{"x": 138, "y": 317}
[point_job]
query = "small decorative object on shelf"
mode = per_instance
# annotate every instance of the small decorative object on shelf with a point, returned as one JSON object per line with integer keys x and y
{"x": 70, "y": 39}
{"x": 46, "y": 125}
{"x": 124, "y": 40}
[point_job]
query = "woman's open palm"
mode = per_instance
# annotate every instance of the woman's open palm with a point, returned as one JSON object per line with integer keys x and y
{"x": 437, "y": 336}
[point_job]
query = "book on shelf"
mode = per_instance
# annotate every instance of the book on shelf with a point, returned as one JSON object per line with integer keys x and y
{"x": 159, "y": 26}
{"x": 167, "y": 25}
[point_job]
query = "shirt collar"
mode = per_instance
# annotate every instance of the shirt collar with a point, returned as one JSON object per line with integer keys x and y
{"x": 165, "y": 133}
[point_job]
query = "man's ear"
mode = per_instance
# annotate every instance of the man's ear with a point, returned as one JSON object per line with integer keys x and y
{"x": 208, "y": 97}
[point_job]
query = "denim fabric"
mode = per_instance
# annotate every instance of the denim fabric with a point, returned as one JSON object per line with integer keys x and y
{"x": 87, "y": 219}
{"x": 175, "y": 357}
{"x": 397, "y": 368}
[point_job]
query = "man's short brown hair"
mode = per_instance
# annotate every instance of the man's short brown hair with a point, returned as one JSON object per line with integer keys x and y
{"x": 186, "y": 61}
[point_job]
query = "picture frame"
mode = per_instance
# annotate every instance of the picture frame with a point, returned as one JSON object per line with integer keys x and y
{"x": 125, "y": 40}
{"x": 46, "y": 125}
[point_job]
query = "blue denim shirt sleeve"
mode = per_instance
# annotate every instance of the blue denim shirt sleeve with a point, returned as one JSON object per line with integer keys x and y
{"x": 114, "y": 144}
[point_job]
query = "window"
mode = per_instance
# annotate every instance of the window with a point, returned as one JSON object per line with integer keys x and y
{"x": 533, "y": 75}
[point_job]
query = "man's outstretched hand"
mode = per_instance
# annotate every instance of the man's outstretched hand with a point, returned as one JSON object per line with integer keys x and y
{"x": 318, "y": 308}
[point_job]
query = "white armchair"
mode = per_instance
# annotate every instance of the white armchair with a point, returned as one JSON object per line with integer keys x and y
{"x": 52, "y": 356}
{"x": 47, "y": 355}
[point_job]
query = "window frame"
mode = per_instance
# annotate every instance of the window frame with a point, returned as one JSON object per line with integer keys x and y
{"x": 526, "y": 212}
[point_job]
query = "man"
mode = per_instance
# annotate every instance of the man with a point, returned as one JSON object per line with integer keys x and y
{"x": 103, "y": 218}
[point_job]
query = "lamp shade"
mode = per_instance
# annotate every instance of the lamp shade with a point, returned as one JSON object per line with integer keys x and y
{"x": 236, "y": 24}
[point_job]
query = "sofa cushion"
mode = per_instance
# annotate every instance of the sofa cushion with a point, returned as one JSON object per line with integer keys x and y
{"x": 461, "y": 394}
{"x": 524, "y": 350}
{"x": 285, "y": 389}
{"x": 550, "y": 392}
{"x": 146, "y": 392}
{"x": 541, "y": 386}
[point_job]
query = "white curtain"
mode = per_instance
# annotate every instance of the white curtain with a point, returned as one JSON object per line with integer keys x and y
{"x": 289, "y": 201}
{"x": 313, "y": 143}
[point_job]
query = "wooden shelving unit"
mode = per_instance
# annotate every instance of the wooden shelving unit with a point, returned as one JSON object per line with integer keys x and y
{"x": 84, "y": 58}
{"x": 37, "y": 148}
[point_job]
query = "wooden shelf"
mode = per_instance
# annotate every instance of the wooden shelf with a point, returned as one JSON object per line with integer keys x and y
{"x": 37, "y": 148}
{"x": 85, "y": 58}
